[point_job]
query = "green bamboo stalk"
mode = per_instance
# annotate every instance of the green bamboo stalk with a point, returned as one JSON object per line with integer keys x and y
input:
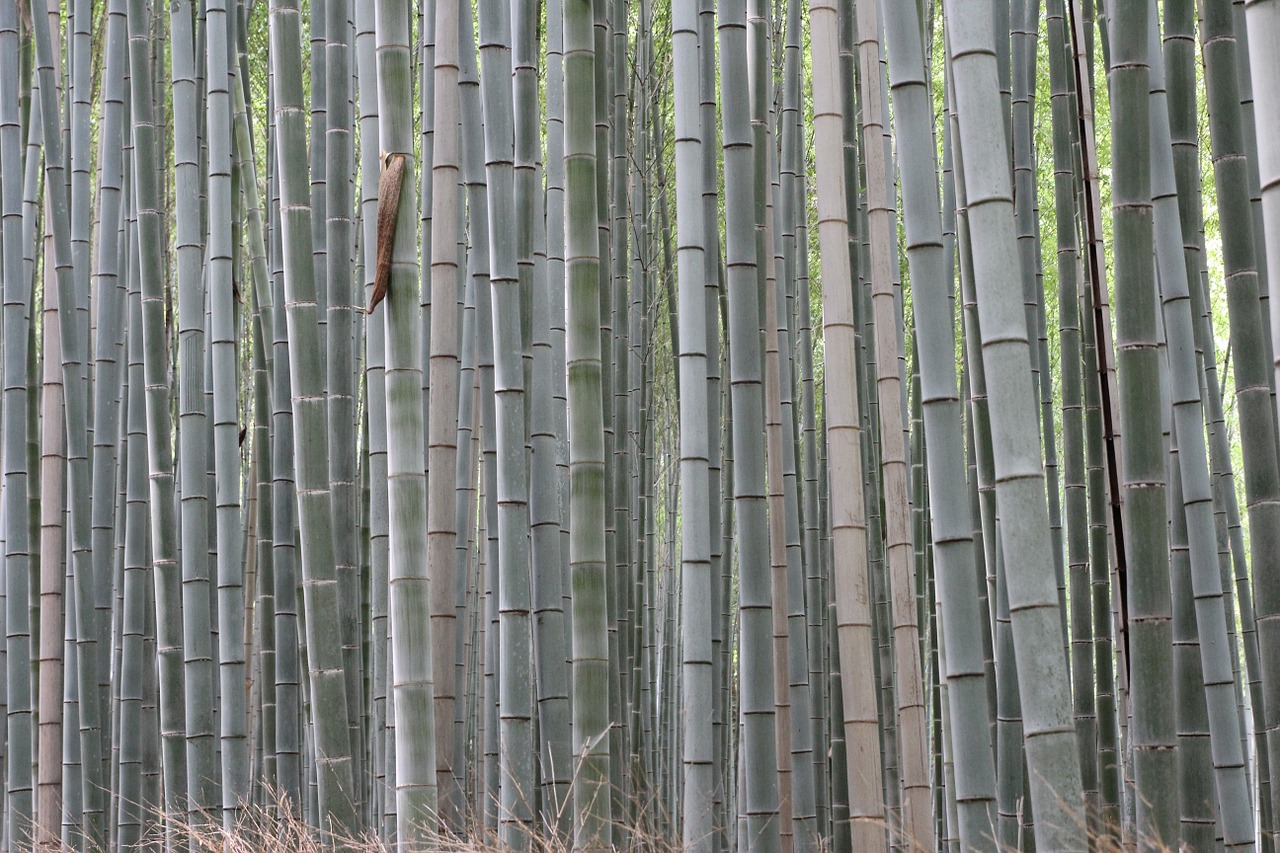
{"x": 1258, "y": 421}
{"x": 1043, "y": 684}
{"x": 1143, "y": 487}
{"x": 1262, "y": 25}
{"x": 1203, "y": 583}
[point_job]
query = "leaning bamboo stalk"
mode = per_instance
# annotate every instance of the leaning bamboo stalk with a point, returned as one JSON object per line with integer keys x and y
{"x": 1263, "y": 24}
{"x": 19, "y": 805}
{"x": 957, "y": 578}
{"x": 1044, "y": 688}
{"x": 65, "y": 407}
{"x": 1258, "y": 420}
{"x": 337, "y": 350}
{"x": 1204, "y": 579}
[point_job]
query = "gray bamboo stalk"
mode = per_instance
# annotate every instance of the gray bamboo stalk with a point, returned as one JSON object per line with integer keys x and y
{"x": 481, "y": 295}
{"x": 759, "y": 796}
{"x": 232, "y": 718}
{"x": 165, "y": 570}
{"x": 800, "y": 694}
{"x": 338, "y": 248}
{"x": 1044, "y": 687}
{"x": 192, "y": 456}
{"x": 412, "y": 649}
{"x": 109, "y": 350}
{"x": 848, "y": 566}
{"x": 695, "y": 575}
{"x": 555, "y": 218}
{"x": 327, "y": 690}
{"x": 442, "y": 404}
{"x": 932, "y": 306}
{"x": 590, "y": 649}
{"x": 284, "y": 516}
{"x": 129, "y": 792}
{"x": 376, "y": 406}
{"x": 549, "y": 643}
{"x": 517, "y": 784}
{"x": 19, "y": 805}
{"x": 65, "y": 407}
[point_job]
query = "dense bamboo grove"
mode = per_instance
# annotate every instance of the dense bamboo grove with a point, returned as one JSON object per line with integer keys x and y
{"x": 632, "y": 425}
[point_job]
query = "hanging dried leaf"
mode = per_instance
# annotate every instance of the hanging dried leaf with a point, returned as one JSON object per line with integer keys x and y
{"x": 388, "y": 212}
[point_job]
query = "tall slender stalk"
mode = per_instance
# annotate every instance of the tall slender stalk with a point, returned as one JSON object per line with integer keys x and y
{"x": 230, "y": 562}
{"x": 19, "y": 805}
{"x": 952, "y": 524}
{"x": 327, "y": 690}
{"x": 1052, "y": 761}
{"x": 852, "y": 623}
{"x": 165, "y": 571}
{"x": 412, "y": 650}
{"x": 591, "y": 798}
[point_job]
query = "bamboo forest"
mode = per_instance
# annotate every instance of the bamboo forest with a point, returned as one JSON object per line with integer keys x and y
{"x": 640, "y": 426}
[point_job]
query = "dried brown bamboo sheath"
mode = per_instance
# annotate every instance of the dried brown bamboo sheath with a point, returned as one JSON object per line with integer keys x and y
{"x": 388, "y": 206}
